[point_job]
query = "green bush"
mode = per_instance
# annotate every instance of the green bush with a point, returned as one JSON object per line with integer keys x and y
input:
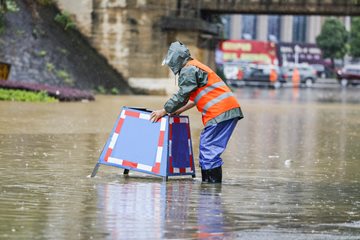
{"x": 100, "y": 89}
{"x": 63, "y": 51}
{"x": 50, "y": 67}
{"x": 65, "y": 20}
{"x": 25, "y": 96}
{"x": 41, "y": 53}
{"x": 65, "y": 76}
{"x": 115, "y": 91}
{"x": 9, "y": 6}
{"x": 62, "y": 74}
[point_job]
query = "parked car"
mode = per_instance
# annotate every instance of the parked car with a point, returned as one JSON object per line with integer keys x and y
{"x": 234, "y": 73}
{"x": 261, "y": 74}
{"x": 308, "y": 74}
{"x": 349, "y": 74}
{"x": 323, "y": 71}
{"x": 231, "y": 73}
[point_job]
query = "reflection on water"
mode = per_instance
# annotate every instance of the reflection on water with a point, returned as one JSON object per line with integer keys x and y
{"x": 134, "y": 208}
{"x": 291, "y": 172}
{"x": 211, "y": 221}
{"x": 161, "y": 210}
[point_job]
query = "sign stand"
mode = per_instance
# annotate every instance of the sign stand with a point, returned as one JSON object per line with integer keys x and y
{"x": 163, "y": 148}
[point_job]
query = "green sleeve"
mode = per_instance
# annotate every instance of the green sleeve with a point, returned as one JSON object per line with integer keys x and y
{"x": 190, "y": 79}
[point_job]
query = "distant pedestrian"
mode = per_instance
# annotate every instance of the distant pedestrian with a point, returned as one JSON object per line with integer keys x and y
{"x": 201, "y": 87}
{"x": 295, "y": 77}
{"x": 273, "y": 75}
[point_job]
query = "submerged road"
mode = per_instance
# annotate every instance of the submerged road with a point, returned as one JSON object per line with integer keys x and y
{"x": 291, "y": 172}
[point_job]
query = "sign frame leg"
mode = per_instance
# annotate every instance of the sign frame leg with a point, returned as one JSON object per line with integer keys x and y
{"x": 96, "y": 168}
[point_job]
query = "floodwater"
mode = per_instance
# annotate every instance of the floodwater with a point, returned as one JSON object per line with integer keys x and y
{"x": 292, "y": 171}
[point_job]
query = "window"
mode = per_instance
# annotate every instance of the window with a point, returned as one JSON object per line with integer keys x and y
{"x": 274, "y": 26}
{"x": 249, "y": 26}
{"x": 299, "y": 29}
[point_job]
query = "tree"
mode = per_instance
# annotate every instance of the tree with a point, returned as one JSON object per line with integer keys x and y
{"x": 355, "y": 37}
{"x": 332, "y": 40}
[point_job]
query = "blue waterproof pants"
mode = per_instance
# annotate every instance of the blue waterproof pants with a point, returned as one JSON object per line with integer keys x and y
{"x": 213, "y": 141}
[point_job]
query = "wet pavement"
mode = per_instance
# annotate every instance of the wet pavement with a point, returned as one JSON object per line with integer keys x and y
{"x": 291, "y": 172}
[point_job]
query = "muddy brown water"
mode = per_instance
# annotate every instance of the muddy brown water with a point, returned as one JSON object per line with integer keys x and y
{"x": 292, "y": 171}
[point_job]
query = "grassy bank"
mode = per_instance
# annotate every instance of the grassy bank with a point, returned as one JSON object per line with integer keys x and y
{"x": 25, "y": 96}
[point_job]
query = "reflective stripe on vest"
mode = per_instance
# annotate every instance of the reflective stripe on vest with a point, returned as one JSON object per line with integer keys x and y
{"x": 208, "y": 89}
{"x": 216, "y": 100}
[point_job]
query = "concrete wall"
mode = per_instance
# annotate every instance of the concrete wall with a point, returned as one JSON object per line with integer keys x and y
{"x": 128, "y": 34}
{"x": 314, "y": 28}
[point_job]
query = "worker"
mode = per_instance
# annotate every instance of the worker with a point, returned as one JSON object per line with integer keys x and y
{"x": 273, "y": 75}
{"x": 200, "y": 86}
{"x": 296, "y": 77}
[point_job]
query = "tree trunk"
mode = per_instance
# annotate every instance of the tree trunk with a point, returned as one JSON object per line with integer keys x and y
{"x": 332, "y": 63}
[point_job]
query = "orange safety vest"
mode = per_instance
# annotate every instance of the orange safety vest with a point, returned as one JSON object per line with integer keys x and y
{"x": 296, "y": 77}
{"x": 215, "y": 97}
{"x": 273, "y": 75}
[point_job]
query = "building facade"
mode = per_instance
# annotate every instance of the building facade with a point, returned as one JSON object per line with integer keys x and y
{"x": 277, "y": 28}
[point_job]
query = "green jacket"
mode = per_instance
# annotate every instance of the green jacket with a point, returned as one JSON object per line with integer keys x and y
{"x": 191, "y": 78}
